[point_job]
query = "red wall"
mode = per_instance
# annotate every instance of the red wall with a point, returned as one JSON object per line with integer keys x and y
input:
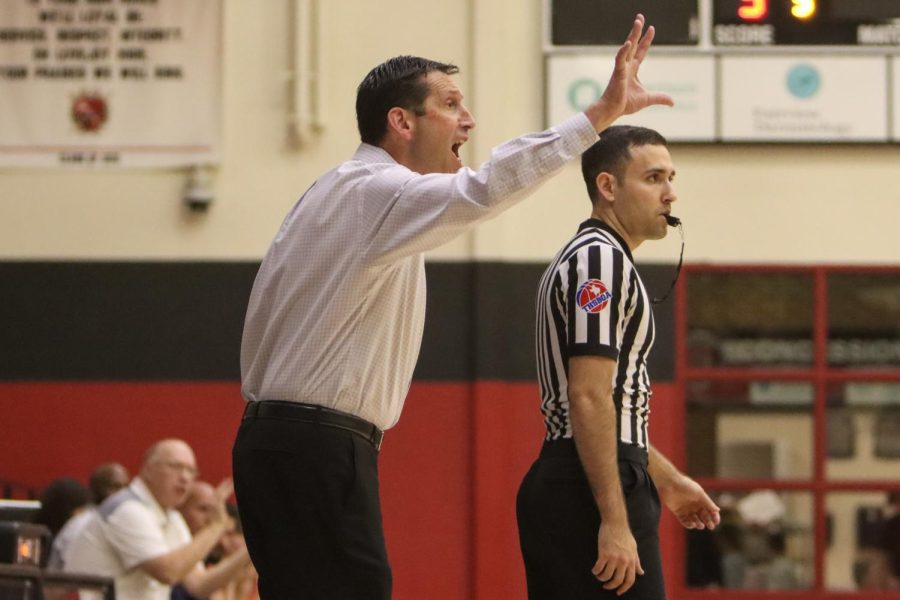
{"x": 449, "y": 470}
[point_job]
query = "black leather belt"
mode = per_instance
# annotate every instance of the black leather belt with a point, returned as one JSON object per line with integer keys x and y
{"x": 309, "y": 413}
{"x": 565, "y": 447}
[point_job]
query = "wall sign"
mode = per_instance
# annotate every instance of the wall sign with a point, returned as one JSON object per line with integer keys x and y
{"x": 110, "y": 82}
{"x": 804, "y": 98}
{"x": 575, "y": 81}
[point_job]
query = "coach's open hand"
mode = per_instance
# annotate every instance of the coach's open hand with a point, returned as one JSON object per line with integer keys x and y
{"x": 624, "y": 93}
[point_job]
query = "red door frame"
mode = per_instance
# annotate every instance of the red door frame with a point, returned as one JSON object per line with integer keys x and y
{"x": 820, "y": 375}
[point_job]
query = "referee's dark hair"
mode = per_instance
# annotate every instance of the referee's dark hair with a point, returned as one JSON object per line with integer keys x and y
{"x": 611, "y": 153}
{"x": 398, "y": 81}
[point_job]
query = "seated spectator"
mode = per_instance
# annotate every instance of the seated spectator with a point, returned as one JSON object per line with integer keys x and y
{"x": 60, "y": 500}
{"x": 244, "y": 585}
{"x": 199, "y": 507}
{"x": 872, "y": 571}
{"x": 139, "y": 539}
{"x": 197, "y": 511}
{"x": 105, "y": 480}
{"x": 890, "y": 537}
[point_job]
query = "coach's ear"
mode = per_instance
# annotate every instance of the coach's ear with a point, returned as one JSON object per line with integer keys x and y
{"x": 401, "y": 122}
{"x": 606, "y": 186}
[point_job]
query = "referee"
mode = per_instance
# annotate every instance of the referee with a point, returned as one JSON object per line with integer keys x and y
{"x": 588, "y": 509}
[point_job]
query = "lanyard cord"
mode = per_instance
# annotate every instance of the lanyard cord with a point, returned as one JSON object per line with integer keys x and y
{"x": 677, "y": 269}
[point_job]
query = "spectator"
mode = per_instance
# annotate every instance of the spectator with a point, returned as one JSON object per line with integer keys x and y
{"x": 890, "y": 536}
{"x": 139, "y": 539}
{"x": 243, "y": 586}
{"x": 198, "y": 510}
{"x": 200, "y": 506}
{"x": 871, "y": 571}
{"x": 104, "y": 480}
{"x": 61, "y": 499}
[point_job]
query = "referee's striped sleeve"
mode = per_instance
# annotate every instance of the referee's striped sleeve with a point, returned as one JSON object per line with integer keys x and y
{"x": 597, "y": 294}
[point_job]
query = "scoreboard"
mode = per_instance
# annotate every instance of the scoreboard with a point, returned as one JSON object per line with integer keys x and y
{"x": 730, "y": 22}
{"x": 806, "y": 22}
{"x": 816, "y": 71}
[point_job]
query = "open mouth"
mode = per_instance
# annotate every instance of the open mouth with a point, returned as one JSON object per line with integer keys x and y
{"x": 455, "y": 149}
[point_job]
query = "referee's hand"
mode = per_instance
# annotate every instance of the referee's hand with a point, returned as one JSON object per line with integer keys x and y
{"x": 618, "y": 563}
{"x": 693, "y": 508}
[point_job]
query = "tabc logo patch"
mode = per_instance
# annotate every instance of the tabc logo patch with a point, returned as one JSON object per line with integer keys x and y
{"x": 593, "y": 296}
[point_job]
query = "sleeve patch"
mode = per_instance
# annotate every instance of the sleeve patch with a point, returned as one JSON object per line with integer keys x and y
{"x": 592, "y": 296}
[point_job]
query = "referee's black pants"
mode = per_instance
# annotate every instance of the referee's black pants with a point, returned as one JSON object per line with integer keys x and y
{"x": 558, "y": 524}
{"x": 309, "y": 505}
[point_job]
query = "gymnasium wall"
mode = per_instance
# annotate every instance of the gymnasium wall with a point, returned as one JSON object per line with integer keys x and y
{"x": 798, "y": 204}
{"x": 101, "y": 359}
{"x": 120, "y": 311}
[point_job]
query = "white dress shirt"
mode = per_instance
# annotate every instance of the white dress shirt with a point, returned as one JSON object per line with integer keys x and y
{"x": 338, "y": 307}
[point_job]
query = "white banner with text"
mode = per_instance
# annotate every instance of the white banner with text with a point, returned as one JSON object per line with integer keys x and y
{"x": 130, "y": 83}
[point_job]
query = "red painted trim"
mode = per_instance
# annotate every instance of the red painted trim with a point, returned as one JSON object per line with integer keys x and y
{"x": 756, "y": 268}
{"x": 811, "y": 374}
{"x": 810, "y": 594}
{"x": 804, "y": 485}
{"x": 787, "y": 268}
{"x": 673, "y": 548}
{"x": 862, "y": 375}
{"x": 820, "y": 421}
{"x": 739, "y": 374}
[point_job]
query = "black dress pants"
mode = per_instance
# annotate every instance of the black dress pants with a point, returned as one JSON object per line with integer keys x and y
{"x": 309, "y": 505}
{"x": 558, "y": 524}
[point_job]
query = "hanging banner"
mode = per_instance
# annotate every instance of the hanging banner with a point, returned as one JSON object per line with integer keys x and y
{"x": 130, "y": 83}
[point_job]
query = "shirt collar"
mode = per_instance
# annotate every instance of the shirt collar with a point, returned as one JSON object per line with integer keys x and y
{"x": 146, "y": 497}
{"x": 598, "y": 224}
{"x": 368, "y": 153}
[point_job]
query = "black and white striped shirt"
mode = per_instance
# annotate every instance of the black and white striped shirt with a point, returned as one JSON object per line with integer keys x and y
{"x": 591, "y": 301}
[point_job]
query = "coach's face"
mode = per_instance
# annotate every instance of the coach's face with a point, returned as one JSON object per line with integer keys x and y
{"x": 645, "y": 194}
{"x": 439, "y": 133}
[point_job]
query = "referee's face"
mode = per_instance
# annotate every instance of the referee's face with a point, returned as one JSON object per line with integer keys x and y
{"x": 444, "y": 127}
{"x": 645, "y": 195}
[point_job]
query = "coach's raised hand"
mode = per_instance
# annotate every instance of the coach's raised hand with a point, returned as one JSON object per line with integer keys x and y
{"x": 624, "y": 93}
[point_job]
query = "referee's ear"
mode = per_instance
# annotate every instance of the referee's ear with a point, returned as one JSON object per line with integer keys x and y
{"x": 605, "y": 184}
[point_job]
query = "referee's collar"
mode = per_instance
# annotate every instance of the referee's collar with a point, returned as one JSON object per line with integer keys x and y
{"x": 593, "y": 223}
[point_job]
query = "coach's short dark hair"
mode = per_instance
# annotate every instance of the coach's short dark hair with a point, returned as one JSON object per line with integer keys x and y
{"x": 395, "y": 82}
{"x": 612, "y": 152}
